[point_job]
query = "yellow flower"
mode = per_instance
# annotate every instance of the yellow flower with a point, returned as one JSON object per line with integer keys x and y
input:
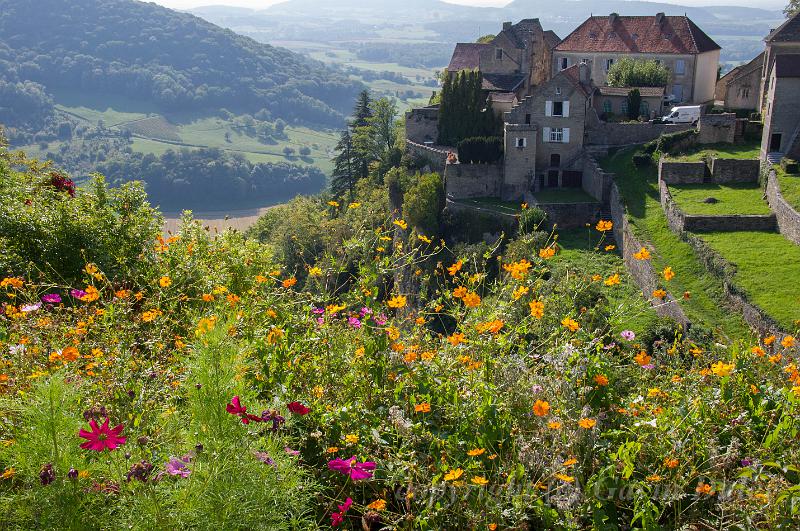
{"x": 541, "y": 408}
{"x": 14, "y": 282}
{"x": 537, "y": 309}
{"x": 314, "y": 271}
{"x": 479, "y": 480}
{"x": 454, "y": 474}
{"x": 351, "y": 438}
{"x": 332, "y": 449}
{"x": 377, "y": 505}
{"x": 8, "y": 473}
{"x": 601, "y": 380}
{"x": 643, "y": 254}
{"x": 788, "y": 341}
{"x": 722, "y": 369}
{"x": 493, "y": 327}
{"x": 455, "y": 268}
{"x": 610, "y": 247}
{"x": 165, "y": 282}
{"x": 659, "y": 294}
{"x": 353, "y": 205}
{"x": 654, "y": 478}
{"x": 400, "y": 223}
{"x": 91, "y": 294}
{"x": 547, "y": 253}
{"x": 554, "y": 425}
{"x": 704, "y": 488}
{"x": 769, "y": 340}
{"x": 424, "y": 239}
{"x": 569, "y": 462}
{"x": 519, "y": 292}
{"x": 334, "y": 204}
{"x": 758, "y": 351}
{"x": 613, "y": 280}
{"x": 518, "y": 270}
{"x": 398, "y": 301}
{"x": 670, "y": 462}
{"x": 565, "y": 478}
{"x": 476, "y": 452}
{"x": 587, "y": 423}
{"x": 570, "y": 324}
{"x": 668, "y": 273}
{"x": 642, "y": 358}
{"x": 604, "y": 226}
{"x": 456, "y": 339}
{"x": 460, "y": 292}
{"x": 422, "y": 408}
{"x": 471, "y": 300}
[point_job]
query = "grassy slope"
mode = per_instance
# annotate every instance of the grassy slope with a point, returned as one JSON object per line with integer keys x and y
{"x": 630, "y": 310}
{"x": 731, "y": 151}
{"x": 767, "y": 269}
{"x": 738, "y": 198}
{"x": 790, "y": 187}
{"x": 706, "y": 303}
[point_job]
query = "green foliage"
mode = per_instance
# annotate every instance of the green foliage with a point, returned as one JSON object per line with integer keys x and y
{"x": 790, "y": 166}
{"x": 486, "y": 39}
{"x": 480, "y": 150}
{"x": 634, "y": 104}
{"x": 423, "y": 203}
{"x": 642, "y": 159}
{"x": 671, "y": 143}
{"x": 463, "y": 112}
{"x": 531, "y": 219}
{"x": 629, "y": 72}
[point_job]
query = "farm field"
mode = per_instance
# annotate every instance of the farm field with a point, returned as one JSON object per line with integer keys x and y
{"x": 738, "y": 198}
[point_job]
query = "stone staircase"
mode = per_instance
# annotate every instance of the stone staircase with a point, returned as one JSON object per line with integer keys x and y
{"x": 774, "y": 157}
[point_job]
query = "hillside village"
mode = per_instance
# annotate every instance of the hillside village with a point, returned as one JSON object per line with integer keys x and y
{"x": 563, "y": 124}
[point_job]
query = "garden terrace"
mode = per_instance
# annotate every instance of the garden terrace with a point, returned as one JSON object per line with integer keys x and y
{"x": 698, "y": 153}
{"x": 729, "y": 199}
{"x": 790, "y": 187}
{"x": 563, "y": 195}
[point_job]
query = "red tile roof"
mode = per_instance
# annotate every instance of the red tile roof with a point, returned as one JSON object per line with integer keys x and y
{"x": 645, "y": 92}
{"x": 642, "y": 34}
{"x": 573, "y": 73}
{"x": 467, "y": 56}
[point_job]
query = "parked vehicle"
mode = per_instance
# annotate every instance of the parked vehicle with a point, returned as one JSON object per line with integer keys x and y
{"x": 688, "y": 114}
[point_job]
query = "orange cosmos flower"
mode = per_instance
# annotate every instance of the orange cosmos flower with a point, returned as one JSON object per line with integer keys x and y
{"x": 643, "y": 254}
{"x": 587, "y": 423}
{"x": 570, "y": 324}
{"x": 541, "y": 408}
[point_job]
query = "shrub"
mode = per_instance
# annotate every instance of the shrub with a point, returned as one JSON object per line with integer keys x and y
{"x": 634, "y": 104}
{"x": 672, "y": 143}
{"x": 531, "y": 219}
{"x": 789, "y": 165}
{"x": 423, "y": 203}
{"x": 637, "y": 73}
{"x": 478, "y": 150}
{"x": 642, "y": 159}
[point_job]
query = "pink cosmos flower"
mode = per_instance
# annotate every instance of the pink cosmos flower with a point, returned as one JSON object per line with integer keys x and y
{"x": 338, "y": 518}
{"x": 51, "y": 298}
{"x": 380, "y": 320}
{"x": 236, "y": 408}
{"x": 352, "y": 468}
{"x": 28, "y": 308}
{"x": 354, "y": 322}
{"x": 628, "y": 335}
{"x": 318, "y": 311}
{"x": 178, "y": 467}
{"x": 289, "y": 451}
{"x": 102, "y": 437}
{"x": 77, "y": 293}
{"x": 297, "y": 408}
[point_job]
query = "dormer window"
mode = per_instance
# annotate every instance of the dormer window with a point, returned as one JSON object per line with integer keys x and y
{"x": 564, "y": 63}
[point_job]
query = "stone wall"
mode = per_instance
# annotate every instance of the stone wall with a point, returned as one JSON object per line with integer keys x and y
{"x": 674, "y": 172}
{"x": 735, "y": 170}
{"x": 788, "y": 217}
{"x": 436, "y": 155}
{"x": 680, "y": 222}
{"x": 717, "y": 128}
{"x": 641, "y": 271}
{"x": 464, "y": 181}
{"x": 615, "y": 134}
{"x": 595, "y": 181}
{"x": 422, "y": 125}
{"x": 571, "y": 215}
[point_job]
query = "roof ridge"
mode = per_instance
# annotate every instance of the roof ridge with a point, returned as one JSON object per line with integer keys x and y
{"x": 689, "y": 25}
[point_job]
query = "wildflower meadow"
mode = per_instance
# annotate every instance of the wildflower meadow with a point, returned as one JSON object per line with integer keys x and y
{"x": 343, "y": 366}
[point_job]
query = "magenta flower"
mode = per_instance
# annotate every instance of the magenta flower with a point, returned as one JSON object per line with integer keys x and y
{"x": 365, "y": 311}
{"x": 352, "y": 468}
{"x": 628, "y": 335}
{"x": 51, "y": 298}
{"x": 338, "y": 518}
{"x": 28, "y": 308}
{"x": 380, "y": 320}
{"x": 318, "y": 311}
{"x": 354, "y": 322}
{"x": 77, "y": 294}
{"x": 178, "y": 467}
{"x": 297, "y": 408}
{"x": 289, "y": 451}
{"x": 102, "y": 437}
{"x": 236, "y": 408}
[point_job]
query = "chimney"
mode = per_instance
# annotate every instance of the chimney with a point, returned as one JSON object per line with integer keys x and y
{"x": 659, "y": 18}
{"x": 612, "y": 18}
{"x": 583, "y": 74}
{"x": 506, "y": 26}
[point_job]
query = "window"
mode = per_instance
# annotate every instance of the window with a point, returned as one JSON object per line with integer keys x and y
{"x": 677, "y": 91}
{"x": 527, "y": 119}
{"x": 680, "y": 67}
{"x": 558, "y": 91}
{"x": 555, "y": 160}
{"x": 607, "y": 108}
{"x": 558, "y": 108}
{"x": 609, "y": 64}
{"x": 644, "y": 109}
{"x": 623, "y": 108}
{"x": 564, "y": 63}
{"x": 498, "y": 54}
{"x": 557, "y": 134}
{"x": 584, "y": 61}
{"x": 744, "y": 92}
{"x": 521, "y": 142}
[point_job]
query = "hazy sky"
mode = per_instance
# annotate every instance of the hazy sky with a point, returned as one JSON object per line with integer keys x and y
{"x": 185, "y": 4}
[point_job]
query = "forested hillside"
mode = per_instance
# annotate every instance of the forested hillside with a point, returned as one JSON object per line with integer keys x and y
{"x": 175, "y": 60}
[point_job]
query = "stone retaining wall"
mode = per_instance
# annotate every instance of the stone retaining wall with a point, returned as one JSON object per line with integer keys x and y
{"x": 641, "y": 271}
{"x": 615, "y": 134}
{"x": 717, "y": 128}
{"x": 464, "y": 181}
{"x": 422, "y": 125}
{"x": 674, "y": 172}
{"x": 437, "y": 155}
{"x": 788, "y": 218}
{"x": 681, "y": 222}
{"x": 735, "y": 170}
{"x": 595, "y": 181}
{"x": 571, "y": 215}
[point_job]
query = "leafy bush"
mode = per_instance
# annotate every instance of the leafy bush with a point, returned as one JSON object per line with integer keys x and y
{"x": 790, "y": 165}
{"x": 628, "y": 72}
{"x": 423, "y": 203}
{"x": 531, "y": 219}
{"x": 642, "y": 159}
{"x": 480, "y": 150}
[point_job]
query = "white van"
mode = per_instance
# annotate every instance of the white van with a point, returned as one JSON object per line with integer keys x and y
{"x": 688, "y": 114}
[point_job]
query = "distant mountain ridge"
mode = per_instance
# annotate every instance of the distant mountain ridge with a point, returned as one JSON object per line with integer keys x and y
{"x": 173, "y": 59}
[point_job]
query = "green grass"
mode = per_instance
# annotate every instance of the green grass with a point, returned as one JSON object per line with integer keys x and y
{"x": 768, "y": 266}
{"x": 639, "y": 188}
{"x": 492, "y": 203}
{"x": 735, "y": 198}
{"x": 790, "y": 187}
{"x": 581, "y": 250}
{"x": 750, "y": 150}
{"x": 564, "y": 195}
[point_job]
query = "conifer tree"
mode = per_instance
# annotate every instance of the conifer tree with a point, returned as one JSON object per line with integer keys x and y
{"x": 345, "y": 174}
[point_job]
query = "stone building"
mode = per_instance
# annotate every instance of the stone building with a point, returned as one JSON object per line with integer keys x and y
{"x": 782, "y": 109}
{"x": 785, "y": 39}
{"x": 739, "y": 88}
{"x": 613, "y": 101}
{"x": 516, "y": 60}
{"x": 544, "y": 134}
{"x": 691, "y": 56}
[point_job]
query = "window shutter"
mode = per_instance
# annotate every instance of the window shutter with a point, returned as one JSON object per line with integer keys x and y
{"x": 566, "y": 135}
{"x": 566, "y": 109}
{"x": 545, "y": 134}
{"x": 548, "y": 108}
